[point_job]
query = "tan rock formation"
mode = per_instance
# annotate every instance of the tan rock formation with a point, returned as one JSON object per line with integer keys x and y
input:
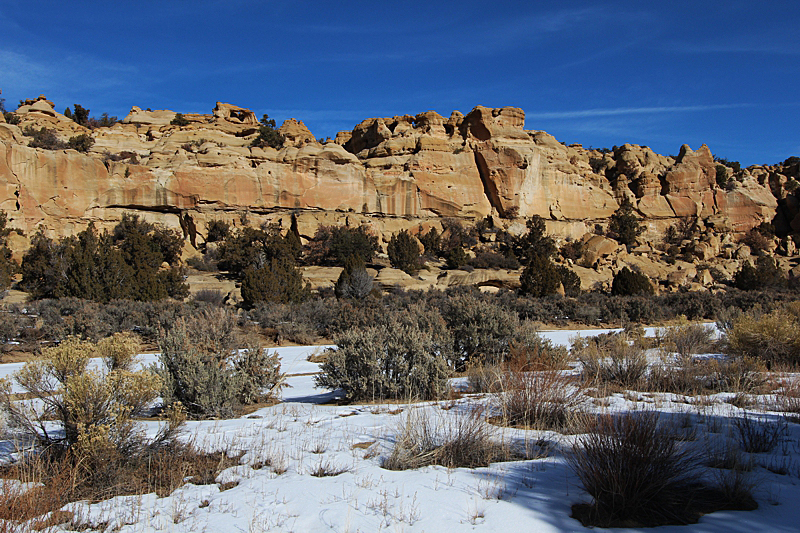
{"x": 393, "y": 173}
{"x": 295, "y": 132}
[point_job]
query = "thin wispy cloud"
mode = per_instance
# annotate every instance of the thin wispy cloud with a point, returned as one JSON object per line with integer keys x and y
{"x": 586, "y": 113}
{"x": 769, "y": 46}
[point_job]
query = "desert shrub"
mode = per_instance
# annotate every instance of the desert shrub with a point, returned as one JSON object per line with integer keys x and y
{"x": 756, "y": 240}
{"x": 765, "y": 274}
{"x": 277, "y": 281}
{"x": 179, "y": 120}
{"x": 456, "y": 258}
{"x": 404, "y": 252}
{"x": 206, "y": 262}
{"x": 104, "y": 267}
{"x": 80, "y": 114}
{"x": 494, "y": 260}
{"x": 332, "y": 245}
{"x": 214, "y": 297}
{"x": 94, "y": 409}
{"x": 394, "y": 360}
{"x": 354, "y": 281}
{"x": 570, "y": 281}
{"x": 81, "y": 143}
{"x": 460, "y": 440}
{"x": 43, "y": 138}
{"x": 529, "y": 351}
{"x": 540, "y": 278}
{"x": 432, "y": 241}
{"x": 455, "y": 235}
{"x": 217, "y": 230}
{"x": 534, "y": 243}
{"x": 572, "y": 250}
{"x": 722, "y": 176}
{"x": 624, "y": 225}
{"x": 627, "y": 282}
{"x": 773, "y": 338}
{"x": 255, "y": 248}
{"x": 635, "y": 472}
{"x": 540, "y": 400}
{"x": 481, "y": 329}
{"x": 7, "y": 266}
{"x": 687, "y": 338}
{"x": 203, "y": 368}
{"x": 611, "y": 360}
{"x": 267, "y": 134}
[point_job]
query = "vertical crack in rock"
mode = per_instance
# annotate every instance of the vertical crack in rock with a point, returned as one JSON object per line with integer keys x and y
{"x": 489, "y": 187}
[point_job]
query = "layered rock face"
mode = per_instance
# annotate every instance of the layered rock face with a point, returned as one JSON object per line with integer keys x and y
{"x": 389, "y": 172}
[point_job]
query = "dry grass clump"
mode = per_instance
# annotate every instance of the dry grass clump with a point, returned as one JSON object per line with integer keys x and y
{"x": 640, "y": 476}
{"x": 687, "y": 338}
{"x": 610, "y": 359}
{"x": 759, "y": 434}
{"x": 539, "y": 400}
{"x": 453, "y": 440}
{"x": 691, "y": 376}
{"x": 62, "y": 476}
{"x": 787, "y": 398}
{"x": 635, "y": 472}
{"x": 528, "y": 353}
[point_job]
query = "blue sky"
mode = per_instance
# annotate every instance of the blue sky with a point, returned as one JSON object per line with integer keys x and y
{"x": 597, "y": 73}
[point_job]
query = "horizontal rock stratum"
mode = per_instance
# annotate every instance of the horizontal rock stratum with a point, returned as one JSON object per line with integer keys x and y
{"x": 391, "y": 173}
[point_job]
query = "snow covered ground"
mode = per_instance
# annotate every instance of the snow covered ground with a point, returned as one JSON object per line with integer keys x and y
{"x": 302, "y": 435}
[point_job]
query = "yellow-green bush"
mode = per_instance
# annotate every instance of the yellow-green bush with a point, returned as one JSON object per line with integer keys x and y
{"x": 774, "y": 337}
{"x": 89, "y": 405}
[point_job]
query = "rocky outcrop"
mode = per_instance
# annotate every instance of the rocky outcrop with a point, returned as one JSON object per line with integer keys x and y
{"x": 393, "y": 172}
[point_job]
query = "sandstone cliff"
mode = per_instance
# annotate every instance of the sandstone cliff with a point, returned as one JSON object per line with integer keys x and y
{"x": 392, "y": 173}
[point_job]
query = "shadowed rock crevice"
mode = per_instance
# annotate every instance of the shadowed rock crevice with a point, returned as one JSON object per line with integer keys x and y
{"x": 489, "y": 187}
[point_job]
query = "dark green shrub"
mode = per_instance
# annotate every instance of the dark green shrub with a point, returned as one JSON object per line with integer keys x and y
{"x": 404, "y": 252}
{"x": 254, "y": 248}
{"x": 395, "y": 360}
{"x": 624, "y": 225}
{"x": 628, "y": 283}
{"x": 44, "y": 138}
{"x": 456, "y": 258}
{"x": 455, "y": 235}
{"x": 80, "y": 115}
{"x": 765, "y": 274}
{"x": 268, "y": 135}
{"x": 332, "y": 245}
{"x": 7, "y": 266}
{"x": 277, "y": 281}
{"x": 102, "y": 267}
{"x": 218, "y": 230}
{"x": 354, "y": 281}
{"x": 572, "y": 250}
{"x": 722, "y": 176}
{"x": 494, "y": 260}
{"x": 81, "y": 143}
{"x": 535, "y": 243}
{"x": 570, "y": 281}
{"x": 540, "y": 278}
{"x": 432, "y": 241}
{"x": 756, "y": 240}
{"x": 179, "y": 120}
